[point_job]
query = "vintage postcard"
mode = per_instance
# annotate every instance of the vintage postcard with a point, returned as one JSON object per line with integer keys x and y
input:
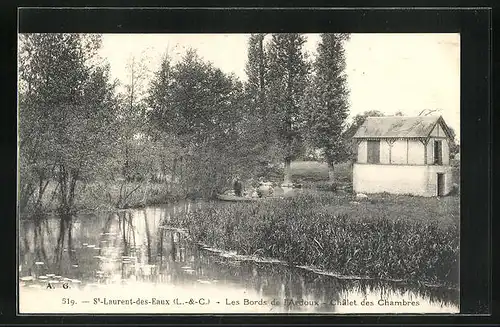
{"x": 238, "y": 173}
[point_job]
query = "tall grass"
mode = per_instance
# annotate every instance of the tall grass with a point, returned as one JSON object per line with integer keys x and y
{"x": 389, "y": 244}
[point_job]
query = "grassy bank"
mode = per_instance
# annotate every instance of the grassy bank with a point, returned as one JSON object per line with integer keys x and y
{"x": 313, "y": 171}
{"x": 393, "y": 237}
{"x": 314, "y": 175}
{"x": 106, "y": 196}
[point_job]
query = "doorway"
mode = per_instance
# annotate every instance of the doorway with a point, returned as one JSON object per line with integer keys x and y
{"x": 440, "y": 184}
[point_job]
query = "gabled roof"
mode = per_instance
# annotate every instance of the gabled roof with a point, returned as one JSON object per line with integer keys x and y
{"x": 400, "y": 127}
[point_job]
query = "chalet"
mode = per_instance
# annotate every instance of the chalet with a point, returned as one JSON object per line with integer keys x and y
{"x": 403, "y": 155}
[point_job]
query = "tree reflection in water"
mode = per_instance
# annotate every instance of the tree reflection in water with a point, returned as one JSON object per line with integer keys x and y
{"x": 139, "y": 246}
{"x": 35, "y": 237}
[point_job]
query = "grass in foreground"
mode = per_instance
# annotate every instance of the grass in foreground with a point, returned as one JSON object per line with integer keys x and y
{"x": 391, "y": 237}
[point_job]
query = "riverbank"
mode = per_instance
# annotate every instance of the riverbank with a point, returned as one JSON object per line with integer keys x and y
{"x": 391, "y": 237}
{"x": 110, "y": 196}
{"x": 119, "y": 254}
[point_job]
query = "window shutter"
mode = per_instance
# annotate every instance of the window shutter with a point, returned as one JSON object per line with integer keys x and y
{"x": 373, "y": 155}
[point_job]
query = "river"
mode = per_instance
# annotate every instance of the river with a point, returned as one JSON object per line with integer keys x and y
{"x": 132, "y": 261}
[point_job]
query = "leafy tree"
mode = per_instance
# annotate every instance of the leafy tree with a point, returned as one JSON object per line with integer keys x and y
{"x": 259, "y": 148}
{"x": 256, "y": 69}
{"x": 328, "y": 103}
{"x": 131, "y": 164}
{"x": 454, "y": 143}
{"x": 200, "y": 107}
{"x": 160, "y": 94}
{"x": 159, "y": 101}
{"x": 70, "y": 97}
{"x": 288, "y": 77}
{"x": 199, "y": 103}
{"x": 34, "y": 166}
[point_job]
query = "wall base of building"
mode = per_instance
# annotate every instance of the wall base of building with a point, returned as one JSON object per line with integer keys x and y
{"x": 419, "y": 180}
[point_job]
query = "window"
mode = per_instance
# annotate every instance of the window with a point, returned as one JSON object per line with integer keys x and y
{"x": 438, "y": 152}
{"x": 373, "y": 148}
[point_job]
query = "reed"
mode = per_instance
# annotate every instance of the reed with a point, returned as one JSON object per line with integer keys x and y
{"x": 387, "y": 237}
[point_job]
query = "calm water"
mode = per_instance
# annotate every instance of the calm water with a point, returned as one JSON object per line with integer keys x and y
{"x": 134, "y": 262}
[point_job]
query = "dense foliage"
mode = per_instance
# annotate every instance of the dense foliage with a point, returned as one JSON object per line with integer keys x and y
{"x": 186, "y": 125}
{"x": 328, "y": 100}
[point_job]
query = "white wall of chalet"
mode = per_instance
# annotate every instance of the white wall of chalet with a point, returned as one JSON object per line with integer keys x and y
{"x": 406, "y": 166}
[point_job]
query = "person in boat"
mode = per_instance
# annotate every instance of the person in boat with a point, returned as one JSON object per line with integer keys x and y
{"x": 238, "y": 187}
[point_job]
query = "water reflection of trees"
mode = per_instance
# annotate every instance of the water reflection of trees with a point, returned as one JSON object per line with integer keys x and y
{"x": 130, "y": 245}
{"x": 65, "y": 232}
{"x": 277, "y": 281}
{"x": 35, "y": 237}
{"x": 435, "y": 295}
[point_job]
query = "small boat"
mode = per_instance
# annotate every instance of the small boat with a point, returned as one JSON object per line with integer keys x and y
{"x": 234, "y": 198}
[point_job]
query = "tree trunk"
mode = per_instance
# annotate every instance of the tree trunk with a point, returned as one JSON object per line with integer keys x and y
{"x": 331, "y": 173}
{"x": 173, "y": 179}
{"x": 288, "y": 119}
{"x": 72, "y": 256}
{"x": 26, "y": 192}
{"x": 126, "y": 164}
{"x": 288, "y": 171}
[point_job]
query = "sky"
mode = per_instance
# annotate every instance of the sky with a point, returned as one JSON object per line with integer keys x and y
{"x": 385, "y": 72}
